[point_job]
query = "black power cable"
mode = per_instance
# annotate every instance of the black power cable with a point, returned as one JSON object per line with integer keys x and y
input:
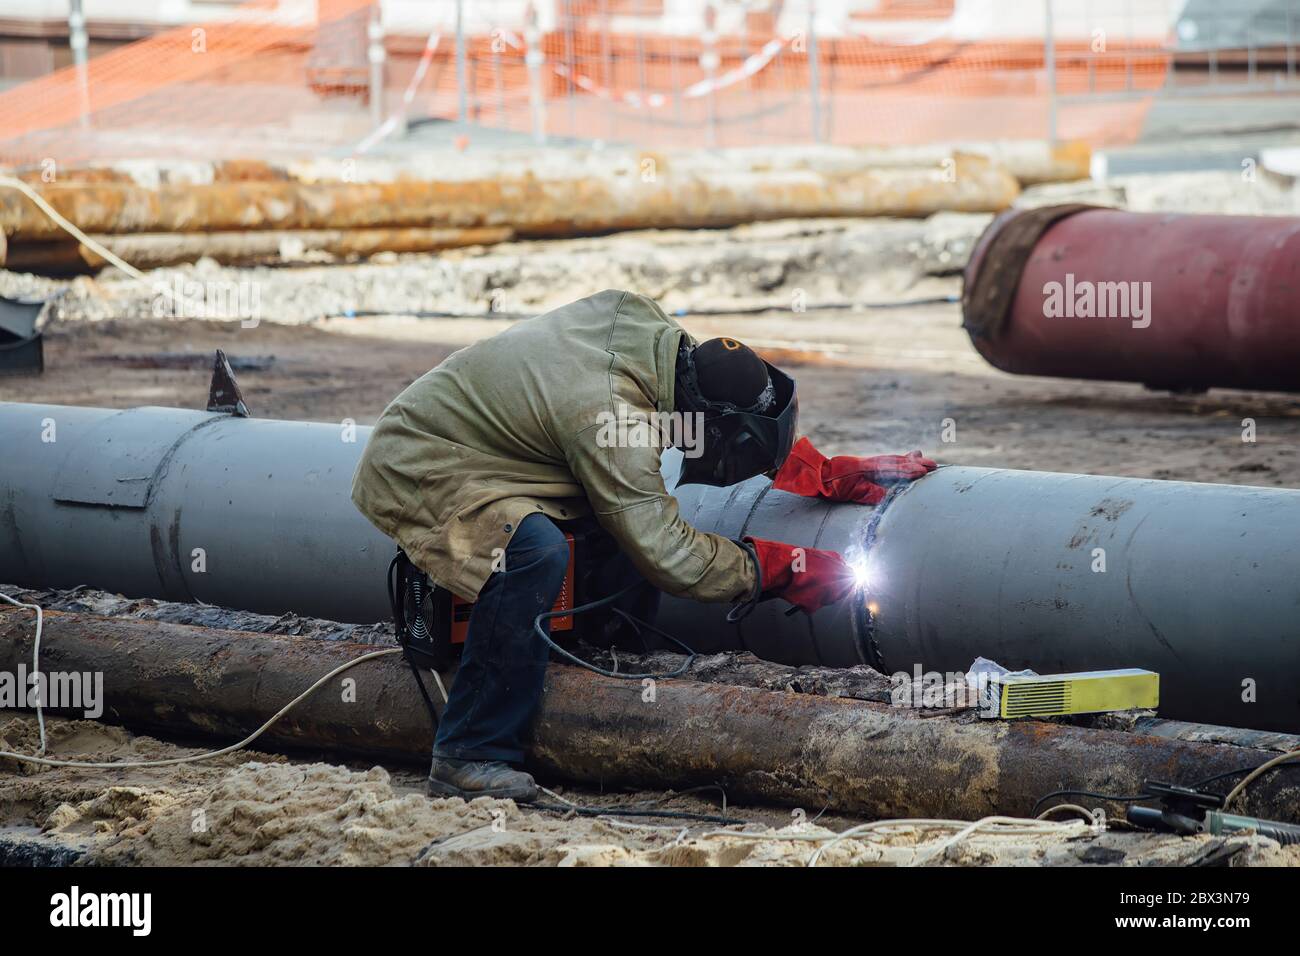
{"x": 636, "y": 623}
{"x": 397, "y": 586}
{"x": 1147, "y": 796}
{"x": 623, "y": 812}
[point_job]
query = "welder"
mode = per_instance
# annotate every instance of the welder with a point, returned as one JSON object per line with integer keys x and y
{"x": 477, "y": 467}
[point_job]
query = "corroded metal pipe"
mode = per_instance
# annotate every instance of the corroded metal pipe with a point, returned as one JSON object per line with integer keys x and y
{"x": 789, "y": 748}
{"x": 1055, "y": 572}
{"x": 1176, "y": 302}
{"x": 155, "y": 250}
{"x": 1029, "y": 161}
{"x": 152, "y": 250}
{"x": 532, "y": 206}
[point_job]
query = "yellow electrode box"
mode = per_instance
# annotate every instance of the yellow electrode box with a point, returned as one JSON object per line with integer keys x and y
{"x": 1088, "y": 692}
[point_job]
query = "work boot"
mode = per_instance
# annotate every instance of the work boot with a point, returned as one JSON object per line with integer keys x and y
{"x": 468, "y": 779}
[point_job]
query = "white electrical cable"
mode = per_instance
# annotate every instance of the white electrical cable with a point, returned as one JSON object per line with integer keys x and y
{"x": 71, "y": 228}
{"x": 555, "y": 796}
{"x": 945, "y": 845}
{"x": 649, "y": 827}
{"x": 1097, "y": 816}
{"x": 44, "y": 761}
{"x": 36, "y": 659}
{"x": 193, "y": 758}
{"x": 1006, "y": 826}
{"x": 1258, "y": 772}
{"x": 437, "y": 679}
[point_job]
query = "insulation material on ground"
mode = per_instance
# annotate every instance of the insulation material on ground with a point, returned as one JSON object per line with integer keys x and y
{"x": 257, "y": 810}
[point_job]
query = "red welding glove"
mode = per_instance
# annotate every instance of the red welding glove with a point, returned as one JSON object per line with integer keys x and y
{"x": 808, "y": 578}
{"x": 809, "y": 473}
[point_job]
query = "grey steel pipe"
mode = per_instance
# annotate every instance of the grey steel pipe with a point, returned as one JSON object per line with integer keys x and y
{"x": 189, "y": 506}
{"x": 1058, "y": 573}
{"x": 835, "y": 636}
{"x": 1055, "y": 572}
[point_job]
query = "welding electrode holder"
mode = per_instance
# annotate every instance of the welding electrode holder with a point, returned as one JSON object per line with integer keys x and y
{"x": 1188, "y": 812}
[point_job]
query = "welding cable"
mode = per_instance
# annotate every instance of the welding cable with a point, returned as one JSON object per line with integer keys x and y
{"x": 171, "y": 761}
{"x": 36, "y": 658}
{"x": 1090, "y": 815}
{"x": 742, "y": 609}
{"x": 71, "y": 229}
{"x": 1258, "y": 772}
{"x": 1087, "y": 793}
{"x": 1253, "y": 773}
{"x": 636, "y": 623}
{"x": 1240, "y": 770}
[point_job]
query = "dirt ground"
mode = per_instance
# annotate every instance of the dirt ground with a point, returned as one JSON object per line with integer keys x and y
{"x": 883, "y": 380}
{"x": 254, "y": 809}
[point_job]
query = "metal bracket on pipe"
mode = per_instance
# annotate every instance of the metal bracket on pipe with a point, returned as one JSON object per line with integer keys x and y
{"x": 224, "y": 394}
{"x": 21, "y": 347}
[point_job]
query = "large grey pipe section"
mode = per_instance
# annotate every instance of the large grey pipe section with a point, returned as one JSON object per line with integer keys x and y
{"x": 189, "y": 506}
{"x": 1055, "y": 572}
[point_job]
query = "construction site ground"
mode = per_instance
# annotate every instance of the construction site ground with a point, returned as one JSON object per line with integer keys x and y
{"x": 885, "y": 378}
{"x": 263, "y": 809}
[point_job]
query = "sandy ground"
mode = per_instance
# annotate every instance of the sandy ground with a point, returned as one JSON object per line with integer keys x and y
{"x": 872, "y": 379}
{"x": 258, "y": 810}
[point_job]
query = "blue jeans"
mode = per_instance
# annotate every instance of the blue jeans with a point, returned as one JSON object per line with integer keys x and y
{"x": 498, "y": 688}
{"x": 503, "y": 664}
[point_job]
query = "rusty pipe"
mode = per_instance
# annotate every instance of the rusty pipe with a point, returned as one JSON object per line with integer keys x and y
{"x": 795, "y": 749}
{"x": 531, "y": 206}
{"x": 1179, "y": 302}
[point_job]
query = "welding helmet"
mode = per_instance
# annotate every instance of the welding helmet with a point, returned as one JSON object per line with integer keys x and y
{"x": 748, "y": 408}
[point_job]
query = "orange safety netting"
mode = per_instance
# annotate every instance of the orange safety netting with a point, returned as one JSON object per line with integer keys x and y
{"x": 266, "y": 84}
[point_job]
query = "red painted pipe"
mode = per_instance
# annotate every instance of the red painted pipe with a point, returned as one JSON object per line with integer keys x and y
{"x": 1212, "y": 301}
